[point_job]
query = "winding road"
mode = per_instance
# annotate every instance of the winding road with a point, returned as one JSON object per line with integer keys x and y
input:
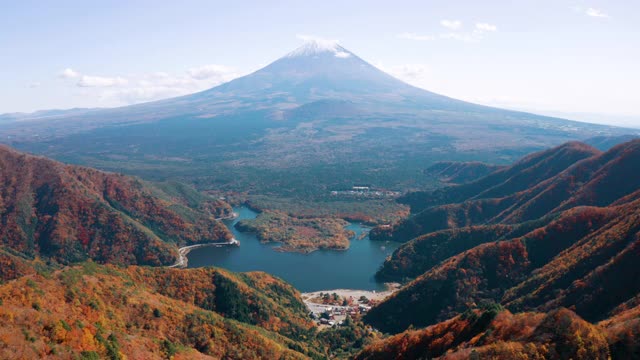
{"x": 183, "y": 251}
{"x": 183, "y": 261}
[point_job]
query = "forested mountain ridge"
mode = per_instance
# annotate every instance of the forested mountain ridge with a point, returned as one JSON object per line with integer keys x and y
{"x": 92, "y": 311}
{"x": 566, "y": 273}
{"x": 71, "y": 213}
{"x": 498, "y": 334}
{"x": 581, "y": 256}
{"x": 71, "y": 285}
{"x": 577, "y": 253}
{"x": 538, "y": 185}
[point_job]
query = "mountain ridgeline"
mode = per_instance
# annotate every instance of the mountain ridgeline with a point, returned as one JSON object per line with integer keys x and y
{"x": 558, "y": 229}
{"x": 533, "y": 259}
{"x": 494, "y": 333}
{"x": 542, "y": 183}
{"x": 562, "y": 285}
{"x": 70, "y": 213}
{"x": 71, "y": 284}
{"x": 454, "y": 172}
{"x": 91, "y": 311}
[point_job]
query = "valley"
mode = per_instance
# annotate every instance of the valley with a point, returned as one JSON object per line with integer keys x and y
{"x": 518, "y": 285}
{"x": 317, "y": 208}
{"x": 288, "y": 134}
{"x": 352, "y": 268}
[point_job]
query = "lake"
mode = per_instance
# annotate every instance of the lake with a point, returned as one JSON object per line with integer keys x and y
{"x": 319, "y": 270}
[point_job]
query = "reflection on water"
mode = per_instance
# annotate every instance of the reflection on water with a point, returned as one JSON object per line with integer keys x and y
{"x": 319, "y": 270}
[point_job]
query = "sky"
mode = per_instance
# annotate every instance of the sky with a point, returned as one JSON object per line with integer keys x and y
{"x": 575, "y": 59}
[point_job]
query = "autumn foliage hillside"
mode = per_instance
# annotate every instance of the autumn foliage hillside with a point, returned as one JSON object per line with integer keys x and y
{"x": 70, "y": 213}
{"x": 523, "y": 174}
{"x": 538, "y": 185}
{"x": 521, "y": 272}
{"x": 94, "y": 311}
{"x": 255, "y": 298}
{"x": 582, "y": 254}
{"x": 494, "y": 334}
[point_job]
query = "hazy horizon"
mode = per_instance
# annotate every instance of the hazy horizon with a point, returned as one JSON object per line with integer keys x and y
{"x": 568, "y": 59}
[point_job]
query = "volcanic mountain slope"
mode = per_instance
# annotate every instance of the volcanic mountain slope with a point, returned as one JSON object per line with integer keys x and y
{"x": 541, "y": 184}
{"x": 69, "y": 213}
{"x": 319, "y": 112}
{"x": 94, "y": 311}
{"x": 316, "y": 72}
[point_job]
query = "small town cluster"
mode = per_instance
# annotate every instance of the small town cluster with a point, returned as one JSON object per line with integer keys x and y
{"x": 332, "y": 309}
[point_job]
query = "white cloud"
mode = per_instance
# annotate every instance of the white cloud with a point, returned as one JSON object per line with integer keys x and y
{"x": 596, "y": 13}
{"x": 68, "y": 73}
{"x": 418, "y": 37}
{"x": 120, "y": 90}
{"x": 486, "y": 27}
{"x": 100, "y": 81}
{"x": 466, "y": 37}
{"x": 210, "y": 71}
{"x": 481, "y": 28}
{"x": 34, "y": 85}
{"x": 141, "y": 93}
{"x": 451, "y": 24}
{"x": 459, "y": 36}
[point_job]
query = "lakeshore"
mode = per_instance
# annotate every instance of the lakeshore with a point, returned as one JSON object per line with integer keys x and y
{"x": 332, "y": 307}
{"x": 322, "y": 269}
{"x": 356, "y": 294}
{"x": 183, "y": 260}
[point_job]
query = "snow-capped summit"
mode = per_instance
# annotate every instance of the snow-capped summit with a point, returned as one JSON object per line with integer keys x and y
{"x": 315, "y": 46}
{"x": 319, "y": 69}
{"x": 319, "y": 79}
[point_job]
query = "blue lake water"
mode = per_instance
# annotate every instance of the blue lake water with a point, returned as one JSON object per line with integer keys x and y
{"x": 319, "y": 270}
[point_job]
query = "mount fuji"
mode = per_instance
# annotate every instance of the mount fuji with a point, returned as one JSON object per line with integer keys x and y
{"x": 319, "y": 106}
